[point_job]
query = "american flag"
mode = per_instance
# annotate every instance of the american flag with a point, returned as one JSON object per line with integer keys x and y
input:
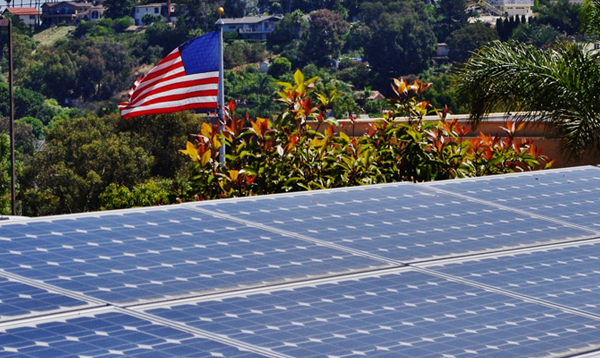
{"x": 187, "y": 78}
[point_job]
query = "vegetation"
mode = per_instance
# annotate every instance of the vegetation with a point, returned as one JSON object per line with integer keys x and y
{"x": 289, "y": 154}
{"x": 75, "y": 154}
{"x": 559, "y": 86}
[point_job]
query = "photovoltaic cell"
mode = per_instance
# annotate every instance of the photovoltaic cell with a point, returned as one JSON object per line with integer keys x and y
{"x": 18, "y": 300}
{"x": 402, "y": 314}
{"x": 109, "y": 335}
{"x": 161, "y": 253}
{"x": 567, "y": 276}
{"x": 406, "y": 223}
{"x": 570, "y": 195}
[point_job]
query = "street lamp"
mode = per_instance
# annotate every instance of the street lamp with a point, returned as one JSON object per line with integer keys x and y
{"x": 13, "y": 194}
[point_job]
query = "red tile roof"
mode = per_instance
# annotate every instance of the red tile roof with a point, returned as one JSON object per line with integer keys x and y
{"x": 22, "y": 10}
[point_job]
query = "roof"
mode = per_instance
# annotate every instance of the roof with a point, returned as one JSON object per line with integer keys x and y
{"x": 71, "y": 3}
{"x": 152, "y": 5}
{"x": 250, "y": 20}
{"x": 22, "y": 11}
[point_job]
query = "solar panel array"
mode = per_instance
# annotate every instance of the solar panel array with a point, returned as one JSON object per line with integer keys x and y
{"x": 503, "y": 266}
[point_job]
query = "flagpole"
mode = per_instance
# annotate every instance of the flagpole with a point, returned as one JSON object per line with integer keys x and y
{"x": 221, "y": 94}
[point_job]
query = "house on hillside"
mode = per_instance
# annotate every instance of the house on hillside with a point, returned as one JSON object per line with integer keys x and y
{"x": 29, "y": 15}
{"x": 514, "y": 7}
{"x": 71, "y": 12}
{"x": 252, "y": 27}
{"x": 165, "y": 10}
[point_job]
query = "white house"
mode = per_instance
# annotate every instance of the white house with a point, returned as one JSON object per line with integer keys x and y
{"x": 29, "y": 15}
{"x": 164, "y": 10}
{"x": 252, "y": 27}
{"x": 514, "y": 7}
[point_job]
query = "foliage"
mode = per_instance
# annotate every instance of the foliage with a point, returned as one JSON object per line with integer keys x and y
{"x": 118, "y": 8}
{"x": 280, "y": 66}
{"x": 253, "y": 91}
{"x": 451, "y": 15}
{"x": 563, "y": 15}
{"x": 291, "y": 154}
{"x": 325, "y": 37}
{"x": 27, "y": 104}
{"x": 149, "y": 193}
{"x": 559, "y": 85}
{"x": 402, "y": 40}
{"x": 5, "y": 181}
{"x": 240, "y": 52}
{"x": 80, "y": 158}
{"x": 590, "y": 17}
{"x": 288, "y": 29}
{"x": 464, "y": 41}
{"x": 535, "y": 34}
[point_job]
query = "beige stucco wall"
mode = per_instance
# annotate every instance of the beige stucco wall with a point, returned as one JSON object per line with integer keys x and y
{"x": 543, "y": 139}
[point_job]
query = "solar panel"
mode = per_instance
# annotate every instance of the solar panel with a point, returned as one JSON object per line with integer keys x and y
{"x": 157, "y": 253}
{"x": 406, "y": 223}
{"x": 567, "y": 195}
{"x": 396, "y": 314}
{"x": 19, "y": 300}
{"x": 108, "y": 334}
{"x": 501, "y": 266}
{"x": 567, "y": 275}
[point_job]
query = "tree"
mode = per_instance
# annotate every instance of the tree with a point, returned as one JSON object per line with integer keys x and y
{"x": 401, "y": 43}
{"x": 240, "y": 8}
{"x": 451, "y": 16}
{"x": 116, "y": 9}
{"x": 590, "y": 17}
{"x": 535, "y": 34}
{"x": 463, "y": 42}
{"x": 280, "y": 66}
{"x": 288, "y": 29}
{"x": 325, "y": 37}
{"x": 80, "y": 158}
{"x": 564, "y": 16}
{"x": 559, "y": 85}
{"x": 5, "y": 181}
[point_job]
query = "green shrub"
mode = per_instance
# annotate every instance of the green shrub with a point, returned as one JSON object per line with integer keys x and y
{"x": 264, "y": 156}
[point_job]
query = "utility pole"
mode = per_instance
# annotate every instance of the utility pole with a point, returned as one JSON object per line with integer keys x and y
{"x": 13, "y": 178}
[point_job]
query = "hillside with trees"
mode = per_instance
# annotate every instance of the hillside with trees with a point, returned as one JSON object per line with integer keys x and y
{"x": 75, "y": 153}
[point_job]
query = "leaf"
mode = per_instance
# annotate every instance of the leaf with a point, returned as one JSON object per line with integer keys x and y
{"x": 190, "y": 150}
{"x": 206, "y": 157}
{"x": 233, "y": 174}
{"x": 299, "y": 77}
{"x": 206, "y": 130}
{"x": 344, "y": 137}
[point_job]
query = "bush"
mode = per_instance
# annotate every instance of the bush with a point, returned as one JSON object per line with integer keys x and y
{"x": 265, "y": 156}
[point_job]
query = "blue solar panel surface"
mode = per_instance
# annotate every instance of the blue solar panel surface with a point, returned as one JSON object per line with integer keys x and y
{"x": 157, "y": 253}
{"x": 19, "y": 299}
{"x": 502, "y": 266}
{"x": 568, "y": 195}
{"x": 110, "y": 334}
{"x": 567, "y": 276}
{"x": 400, "y": 222}
{"x": 404, "y": 314}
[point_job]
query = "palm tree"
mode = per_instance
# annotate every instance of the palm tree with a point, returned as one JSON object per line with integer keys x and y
{"x": 558, "y": 85}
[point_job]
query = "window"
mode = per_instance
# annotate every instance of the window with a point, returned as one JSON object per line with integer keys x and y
{"x": 156, "y": 10}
